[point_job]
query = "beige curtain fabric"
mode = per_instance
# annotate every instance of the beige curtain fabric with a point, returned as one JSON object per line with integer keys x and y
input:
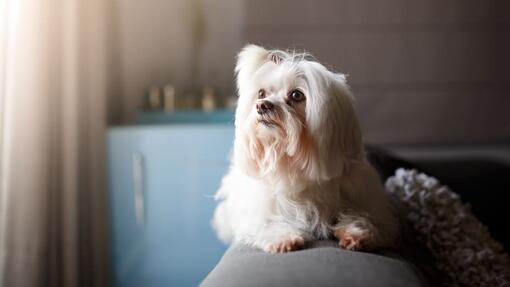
{"x": 53, "y": 86}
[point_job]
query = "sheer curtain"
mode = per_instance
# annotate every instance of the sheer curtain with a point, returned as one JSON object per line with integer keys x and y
{"x": 53, "y": 85}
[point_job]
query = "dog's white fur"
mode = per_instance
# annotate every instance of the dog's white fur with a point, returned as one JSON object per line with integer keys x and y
{"x": 299, "y": 172}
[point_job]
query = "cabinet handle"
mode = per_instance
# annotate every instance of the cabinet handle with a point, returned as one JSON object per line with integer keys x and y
{"x": 138, "y": 188}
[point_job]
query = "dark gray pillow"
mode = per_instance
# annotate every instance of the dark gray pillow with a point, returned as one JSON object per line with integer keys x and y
{"x": 321, "y": 263}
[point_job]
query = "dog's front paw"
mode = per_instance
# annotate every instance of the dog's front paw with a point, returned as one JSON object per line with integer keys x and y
{"x": 287, "y": 244}
{"x": 354, "y": 238}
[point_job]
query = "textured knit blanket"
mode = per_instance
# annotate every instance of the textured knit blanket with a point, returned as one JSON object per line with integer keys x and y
{"x": 461, "y": 246}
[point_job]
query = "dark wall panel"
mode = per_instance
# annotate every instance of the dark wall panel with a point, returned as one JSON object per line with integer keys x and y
{"x": 422, "y": 71}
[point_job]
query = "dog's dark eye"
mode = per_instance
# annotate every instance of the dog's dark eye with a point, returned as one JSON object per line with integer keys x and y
{"x": 297, "y": 96}
{"x": 262, "y": 94}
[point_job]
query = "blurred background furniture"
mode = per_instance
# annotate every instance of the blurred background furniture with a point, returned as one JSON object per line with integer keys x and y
{"x": 162, "y": 179}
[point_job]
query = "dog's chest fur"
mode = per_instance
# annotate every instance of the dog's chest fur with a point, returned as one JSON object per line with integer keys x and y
{"x": 312, "y": 209}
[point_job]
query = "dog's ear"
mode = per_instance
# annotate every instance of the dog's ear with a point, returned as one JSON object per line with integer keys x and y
{"x": 333, "y": 122}
{"x": 249, "y": 61}
{"x": 341, "y": 137}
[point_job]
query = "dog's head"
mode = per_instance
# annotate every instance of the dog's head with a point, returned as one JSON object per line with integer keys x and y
{"x": 294, "y": 118}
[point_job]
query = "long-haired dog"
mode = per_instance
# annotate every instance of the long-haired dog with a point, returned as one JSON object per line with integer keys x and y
{"x": 298, "y": 169}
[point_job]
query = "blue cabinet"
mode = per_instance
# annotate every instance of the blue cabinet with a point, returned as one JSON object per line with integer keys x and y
{"x": 161, "y": 183}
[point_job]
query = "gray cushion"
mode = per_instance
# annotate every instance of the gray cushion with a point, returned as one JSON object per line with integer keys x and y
{"x": 321, "y": 263}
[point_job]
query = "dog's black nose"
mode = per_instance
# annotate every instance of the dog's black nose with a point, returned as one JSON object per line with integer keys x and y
{"x": 264, "y": 107}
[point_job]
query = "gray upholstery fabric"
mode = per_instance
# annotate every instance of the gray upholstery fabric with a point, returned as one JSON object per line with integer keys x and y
{"x": 321, "y": 263}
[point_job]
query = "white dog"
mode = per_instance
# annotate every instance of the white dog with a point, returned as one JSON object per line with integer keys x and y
{"x": 298, "y": 170}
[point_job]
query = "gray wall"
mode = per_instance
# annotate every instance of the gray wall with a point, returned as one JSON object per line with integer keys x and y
{"x": 422, "y": 71}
